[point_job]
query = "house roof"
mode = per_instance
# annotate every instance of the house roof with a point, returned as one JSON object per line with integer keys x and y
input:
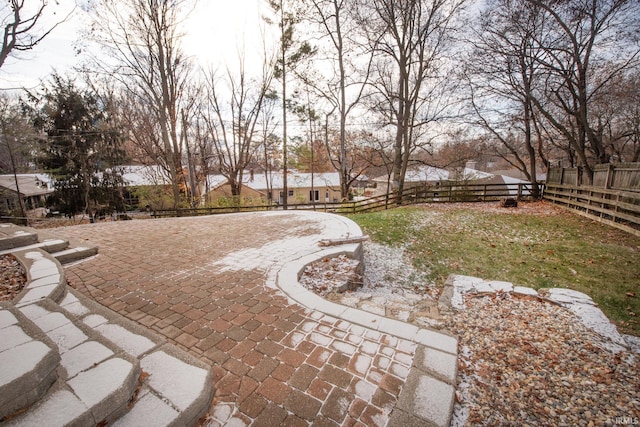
{"x": 294, "y": 180}
{"x": 136, "y": 175}
{"x": 433, "y": 174}
{"x": 421, "y": 174}
{"x": 426, "y": 174}
{"x": 515, "y": 173}
{"x": 32, "y": 184}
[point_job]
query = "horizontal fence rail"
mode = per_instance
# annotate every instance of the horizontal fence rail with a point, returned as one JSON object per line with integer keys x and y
{"x": 617, "y": 208}
{"x": 463, "y": 192}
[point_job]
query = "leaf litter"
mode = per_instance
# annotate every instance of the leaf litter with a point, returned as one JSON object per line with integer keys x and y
{"x": 521, "y": 361}
{"x": 13, "y": 278}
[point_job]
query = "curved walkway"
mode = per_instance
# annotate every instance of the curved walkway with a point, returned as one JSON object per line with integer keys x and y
{"x": 211, "y": 285}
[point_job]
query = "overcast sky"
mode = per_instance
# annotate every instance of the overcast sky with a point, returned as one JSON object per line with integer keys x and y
{"x": 215, "y": 30}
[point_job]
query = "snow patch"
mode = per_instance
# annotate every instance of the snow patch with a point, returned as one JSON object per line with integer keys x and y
{"x": 365, "y": 390}
{"x": 320, "y": 339}
{"x": 343, "y": 347}
{"x": 269, "y": 254}
{"x": 362, "y": 364}
{"x": 632, "y": 342}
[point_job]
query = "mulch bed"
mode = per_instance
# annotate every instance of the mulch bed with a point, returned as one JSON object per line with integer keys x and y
{"x": 12, "y": 277}
{"x": 527, "y": 362}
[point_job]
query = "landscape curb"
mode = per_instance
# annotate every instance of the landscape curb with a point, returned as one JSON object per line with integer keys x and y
{"x": 425, "y": 400}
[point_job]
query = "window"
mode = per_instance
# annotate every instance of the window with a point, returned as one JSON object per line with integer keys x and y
{"x": 290, "y": 193}
{"x": 314, "y": 195}
{"x": 11, "y": 203}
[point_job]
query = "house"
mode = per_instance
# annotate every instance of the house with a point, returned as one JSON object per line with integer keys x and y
{"x": 516, "y": 173}
{"x": 415, "y": 176}
{"x": 34, "y": 189}
{"x": 146, "y": 186}
{"x": 140, "y": 176}
{"x": 302, "y": 188}
{"x": 504, "y": 184}
{"x": 432, "y": 176}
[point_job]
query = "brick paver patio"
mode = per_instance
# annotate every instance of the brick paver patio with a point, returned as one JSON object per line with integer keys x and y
{"x": 206, "y": 284}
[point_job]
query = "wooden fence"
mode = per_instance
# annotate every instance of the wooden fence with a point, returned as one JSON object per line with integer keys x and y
{"x": 613, "y": 197}
{"x": 617, "y": 176}
{"x": 463, "y": 192}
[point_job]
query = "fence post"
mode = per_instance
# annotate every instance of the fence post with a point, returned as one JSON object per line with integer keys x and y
{"x": 609, "y": 180}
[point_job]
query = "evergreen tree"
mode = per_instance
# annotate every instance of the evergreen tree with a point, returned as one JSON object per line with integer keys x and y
{"x": 81, "y": 150}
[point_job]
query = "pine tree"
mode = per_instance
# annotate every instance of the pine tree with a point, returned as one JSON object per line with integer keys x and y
{"x": 81, "y": 150}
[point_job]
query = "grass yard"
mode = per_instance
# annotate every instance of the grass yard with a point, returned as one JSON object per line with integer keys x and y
{"x": 537, "y": 245}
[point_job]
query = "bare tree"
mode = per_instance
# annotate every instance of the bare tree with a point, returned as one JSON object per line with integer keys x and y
{"x": 142, "y": 39}
{"x": 14, "y": 143}
{"x": 503, "y": 71}
{"x": 347, "y": 61}
{"x": 232, "y": 119}
{"x": 269, "y": 141}
{"x": 21, "y": 30}
{"x": 578, "y": 64}
{"x": 15, "y": 134}
{"x": 410, "y": 39}
{"x": 291, "y": 53}
{"x": 617, "y": 111}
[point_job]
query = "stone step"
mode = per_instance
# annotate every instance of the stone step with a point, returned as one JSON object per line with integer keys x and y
{"x": 177, "y": 389}
{"x": 48, "y": 245}
{"x": 101, "y": 377}
{"x": 30, "y": 362}
{"x": 109, "y": 369}
{"x": 45, "y": 277}
{"x": 75, "y": 254}
{"x": 96, "y": 396}
{"x": 13, "y": 236}
{"x": 176, "y": 392}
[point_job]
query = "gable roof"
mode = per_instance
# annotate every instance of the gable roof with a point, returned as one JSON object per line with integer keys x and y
{"x": 31, "y": 184}
{"x": 138, "y": 175}
{"x": 294, "y": 180}
{"x": 421, "y": 174}
{"x": 433, "y": 174}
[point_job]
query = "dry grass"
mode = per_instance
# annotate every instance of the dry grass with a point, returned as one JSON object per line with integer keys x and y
{"x": 536, "y": 245}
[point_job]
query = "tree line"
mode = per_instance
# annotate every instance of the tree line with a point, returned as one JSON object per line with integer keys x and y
{"x": 346, "y": 85}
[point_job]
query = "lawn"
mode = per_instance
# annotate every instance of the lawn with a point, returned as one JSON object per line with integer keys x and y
{"x": 536, "y": 245}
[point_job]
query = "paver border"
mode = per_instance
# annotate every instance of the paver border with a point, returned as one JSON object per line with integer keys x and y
{"x": 288, "y": 281}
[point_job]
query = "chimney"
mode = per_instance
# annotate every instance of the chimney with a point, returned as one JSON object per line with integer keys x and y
{"x": 471, "y": 164}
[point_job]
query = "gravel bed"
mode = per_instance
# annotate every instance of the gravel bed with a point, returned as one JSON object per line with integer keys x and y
{"x": 12, "y": 277}
{"x": 527, "y": 362}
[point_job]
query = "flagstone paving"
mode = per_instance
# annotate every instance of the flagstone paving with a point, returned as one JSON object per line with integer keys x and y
{"x": 211, "y": 286}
